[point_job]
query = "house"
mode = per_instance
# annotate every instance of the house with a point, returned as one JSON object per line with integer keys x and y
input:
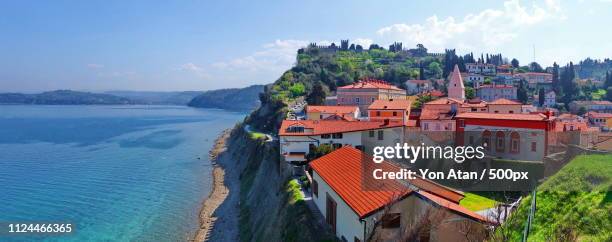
{"x": 390, "y": 111}
{"x": 418, "y": 86}
{"x": 436, "y": 120}
{"x": 456, "y": 105}
{"x": 595, "y": 106}
{"x": 492, "y": 92}
{"x": 507, "y": 79}
{"x": 528, "y": 108}
{"x": 475, "y": 79}
{"x": 503, "y": 105}
{"x": 507, "y": 136}
{"x": 350, "y": 113}
{"x": 505, "y": 68}
{"x": 358, "y": 207}
{"x": 481, "y": 68}
{"x": 570, "y": 122}
{"x": 300, "y": 137}
{"x": 601, "y": 120}
{"x": 533, "y": 78}
{"x": 365, "y": 92}
{"x": 550, "y": 99}
{"x": 455, "y": 88}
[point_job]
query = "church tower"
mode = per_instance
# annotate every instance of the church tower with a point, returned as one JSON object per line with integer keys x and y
{"x": 455, "y": 87}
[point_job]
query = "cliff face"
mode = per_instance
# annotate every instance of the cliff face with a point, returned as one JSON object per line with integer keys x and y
{"x": 269, "y": 210}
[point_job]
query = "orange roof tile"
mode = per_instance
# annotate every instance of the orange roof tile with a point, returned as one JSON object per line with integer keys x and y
{"x": 508, "y": 116}
{"x": 342, "y": 170}
{"x": 331, "y": 109}
{"x": 599, "y": 115}
{"x": 434, "y": 114}
{"x": 370, "y": 84}
{"x": 443, "y": 101}
{"x": 495, "y": 86}
{"x": 395, "y": 104}
{"x": 503, "y": 101}
{"x": 318, "y": 127}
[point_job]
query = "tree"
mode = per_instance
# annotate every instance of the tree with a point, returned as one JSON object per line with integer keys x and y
{"x": 555, "y": 78}
{"x": 609, "y": 94}
{"x": 317, "y": 95}
{"x": 582, "y": 111}
{"x": 535, "y": 67}
{"x": 521, "y": 92}
{"x": 435, "y": 69}
{"x": 541, "y": 95}
{"x": 469, "y": 92}
{"x": 421, "y": 73}
{"x": 515, "y": 63}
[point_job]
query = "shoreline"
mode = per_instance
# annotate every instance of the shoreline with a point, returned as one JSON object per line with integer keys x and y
{"x": 219, "y": 215}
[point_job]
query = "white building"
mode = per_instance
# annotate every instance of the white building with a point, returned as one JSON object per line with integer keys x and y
{"x": 550, "y": 99}
{"x": 352, "y": 202}
{"x": 481, "y": 68}
{"x": 492, "y": 92}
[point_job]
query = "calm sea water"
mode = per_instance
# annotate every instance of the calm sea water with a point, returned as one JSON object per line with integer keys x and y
{"x": 119, "y": 173}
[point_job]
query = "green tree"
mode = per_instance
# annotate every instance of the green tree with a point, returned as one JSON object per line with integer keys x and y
{"x": 535, "y": 67}
{"x": 521, "y": 92}
{"x": 515, "y": 63}
{"x": 297, "y": 89}
{"x": 609, "y": 94}
{"x": 541, "y": 95}
{"x": 555, "y": 78}
{"x": 317, "y": 95}
{"x": 435, "y": 69}
{"x": 469, "y": 93}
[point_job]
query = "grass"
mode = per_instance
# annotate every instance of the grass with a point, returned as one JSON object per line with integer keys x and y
{"x": 475, "y": 202}
{"x": 599, "y": 94}
{"x": 293, "y": 189}
{"x": 574, "y": 204}
{"x": 257, "y": 135}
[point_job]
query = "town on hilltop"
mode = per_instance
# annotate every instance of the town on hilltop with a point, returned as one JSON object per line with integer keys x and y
{"x": 517, "y": 114}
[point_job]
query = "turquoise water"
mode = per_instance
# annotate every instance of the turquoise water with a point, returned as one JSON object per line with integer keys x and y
{"x": 119, "y": 173}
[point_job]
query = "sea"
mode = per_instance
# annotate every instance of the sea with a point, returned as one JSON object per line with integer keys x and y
{"x": 116, "y": 173}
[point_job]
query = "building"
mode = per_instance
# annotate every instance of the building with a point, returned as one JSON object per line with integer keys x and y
{"x": 455, "y": 88}
{"x": 492, "y": 92}
{"x": 528, "y": 108}
{"x": 300, "y": 137}
{"x": 481, "y": 68}
{"x": 601, "y": 120}
{"x": 475, "y": 79}
{"x": 503, "y": 105}
{"x": 352, "y": 202}
{"x": 418, "y": 86}
{"x": 364, "y": 93}
{"x": 550, "y": 99}
{"x": 390, "y": 111}
{"x": 507, "y": 136}
{"x": 570, "y": 122}
{"x": 533, "y": 78}
{"x": 505, "y": 68}
{"x": 507, "y": 79}
{"x": 594, "y": 106}
{"x": 437, "y": 120}
{"x": 349, "y": 113}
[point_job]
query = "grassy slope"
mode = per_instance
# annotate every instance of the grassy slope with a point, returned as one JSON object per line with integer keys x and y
{"x": 575, "y": 202}
{"x": 475, "y": 202}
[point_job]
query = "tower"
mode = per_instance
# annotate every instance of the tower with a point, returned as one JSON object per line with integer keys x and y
{"x": 455, "y": 85}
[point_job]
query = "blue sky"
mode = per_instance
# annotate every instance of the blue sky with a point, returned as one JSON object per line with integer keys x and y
{"x": 202, "y": 45}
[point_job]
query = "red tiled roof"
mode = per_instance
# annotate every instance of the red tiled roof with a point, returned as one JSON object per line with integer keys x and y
{"x": 503, "y": 101}
{"x": 402, "y": 104}
{"x": 331, "y": 109}
{"x": 317, "y": 127}
{"x": 342, "y": 171}
{"x": 444, "y": 100}
{"x": 507, "y": 116}
{"x": 495, "y": 86}
{"x": 370, "y": 84}
{"x": 599, "y": 115}
{"x": 434, "y": 114}
{"x": 419, "y": 81}
{"x": 451, "y": 206}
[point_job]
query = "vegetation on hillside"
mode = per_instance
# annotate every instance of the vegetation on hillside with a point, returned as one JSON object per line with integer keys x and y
{"x": 64, "y": 97}
{"x": 574, "y": 204}
{"x": 230, "y": 98}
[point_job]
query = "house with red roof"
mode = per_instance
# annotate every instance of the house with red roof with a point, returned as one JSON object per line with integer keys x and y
{"x": 601, "y": 120}
{"x": 507, "y": 136}
{"x": 395, "y": 111}
{"x": 365, "y": 92}
{"x": 359, "y": 207}
{"x": 349, "y": 113}
{"x": 503, "y": 105}
{"x": 300, "y": 137}
{"x": 491, "y": 92}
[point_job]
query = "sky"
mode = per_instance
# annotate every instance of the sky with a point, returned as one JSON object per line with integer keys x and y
{"x": 204, "y": 45}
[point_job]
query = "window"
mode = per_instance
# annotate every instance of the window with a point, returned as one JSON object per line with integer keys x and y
{"x": 325, "y": 136}
{"x": 337, "y": 135}
{"x": 474, "y": 109}
{"x": 337, "y": 145}
{"x": 373, "y": 99}
{"x": 426, "y": 126}
{"x": 380, "y": 135}
{"x": 461, "y": 123}
{"x": 356, "y": 100}
{"x": 394, "y": 114}
{"x": 391, "y": 220}
{"x": 371, "y": 133}
{"x": 496, "y": 111}
{"x": 321, "y": 116}
{"x": 378, "y": 113}
{"x": 437, "y": 126}
{"x": 315, "y": 187}
{"x": 534, "y": 146}
{"x": 295, "y": 129}
{"x": 330, "y": 212}
{"x": 500, "y": 141}
{"x": 511, "y": 111}
{"x": 515, "y": 142}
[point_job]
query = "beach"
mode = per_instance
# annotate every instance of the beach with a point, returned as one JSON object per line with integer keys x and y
{"x": 219, "y": 213}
